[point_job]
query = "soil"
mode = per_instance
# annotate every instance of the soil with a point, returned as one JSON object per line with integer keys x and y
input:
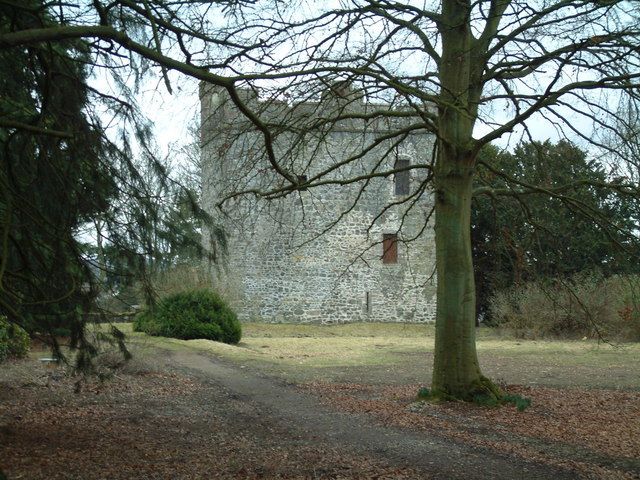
{"x": 188, "y": 415}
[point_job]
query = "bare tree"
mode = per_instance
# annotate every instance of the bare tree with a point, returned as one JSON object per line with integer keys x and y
{"x": 468, "y": 72}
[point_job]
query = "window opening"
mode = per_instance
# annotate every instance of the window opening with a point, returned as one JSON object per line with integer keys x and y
{"x": 389, "y": 248}
{"x": 401, "y": 180}
{"x": 367, "y": 307}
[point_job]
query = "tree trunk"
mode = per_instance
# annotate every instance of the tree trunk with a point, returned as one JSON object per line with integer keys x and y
{"x": 456, "y": 372}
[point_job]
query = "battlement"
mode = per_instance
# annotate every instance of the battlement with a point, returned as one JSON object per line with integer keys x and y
{"x": 337, "y": 109}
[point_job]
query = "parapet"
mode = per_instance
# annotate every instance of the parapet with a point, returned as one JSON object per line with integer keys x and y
{"x": 337, "y": 108}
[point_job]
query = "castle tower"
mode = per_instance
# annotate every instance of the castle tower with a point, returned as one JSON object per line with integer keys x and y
{"x": 339, "y": 252}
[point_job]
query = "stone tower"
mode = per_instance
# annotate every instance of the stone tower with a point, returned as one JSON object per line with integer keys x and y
{"x": 336, "y": 252}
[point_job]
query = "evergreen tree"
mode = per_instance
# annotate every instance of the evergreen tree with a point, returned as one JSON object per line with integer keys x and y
{"x": 521, "y": 237}
{"x": 76, "y": 212}
{"x": 54, "y": 178}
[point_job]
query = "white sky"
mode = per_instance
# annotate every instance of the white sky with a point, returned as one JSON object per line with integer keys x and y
{"x": 172, "y": 114}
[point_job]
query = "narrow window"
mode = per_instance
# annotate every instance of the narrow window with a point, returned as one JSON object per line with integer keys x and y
{"x": 389, "y": 248}
{"x": 401, "y": 179}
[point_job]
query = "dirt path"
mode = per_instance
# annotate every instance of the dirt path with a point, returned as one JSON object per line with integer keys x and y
{"x": 272, "y": 401}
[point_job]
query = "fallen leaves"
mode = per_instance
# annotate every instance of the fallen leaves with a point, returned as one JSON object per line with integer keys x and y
{"x": 168, "y": 424}
{"x": 593, "y": 432}
{"x": 156, "y": 425}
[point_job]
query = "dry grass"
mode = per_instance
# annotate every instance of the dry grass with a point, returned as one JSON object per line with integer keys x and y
{"x": 398, "y": 353}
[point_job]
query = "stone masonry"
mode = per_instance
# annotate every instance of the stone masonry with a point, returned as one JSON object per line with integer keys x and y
{"x": 318, "y": 254}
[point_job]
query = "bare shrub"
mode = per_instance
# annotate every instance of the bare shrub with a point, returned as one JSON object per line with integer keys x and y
{"x": 188, "y": 278}
{"x": 626, "y": 324}
{"x": 182, "y": 278}
{"x": 585, "y": 305}
{"x": 178, "y": 279}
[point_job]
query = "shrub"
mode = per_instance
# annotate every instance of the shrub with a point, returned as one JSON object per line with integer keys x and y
{"x": 189, "y": 315}
{"x": 424, "y": 393}
{"x": 14, "y": 340}
{"x": 585, "y": 305}
{"x": 144, "y": 322}
{"x": 484, "y": 400}
{"x": 518, "y": 401}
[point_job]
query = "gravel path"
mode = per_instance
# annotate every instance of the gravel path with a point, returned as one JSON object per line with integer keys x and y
{"x": 272, "y": 401}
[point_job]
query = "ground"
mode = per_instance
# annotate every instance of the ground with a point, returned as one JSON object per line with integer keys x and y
{"x": 322, "y": 402}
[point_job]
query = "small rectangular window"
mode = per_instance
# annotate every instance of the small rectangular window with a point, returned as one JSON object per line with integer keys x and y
{"x": 401, "y": 180}
{"x": 389, "y": 248}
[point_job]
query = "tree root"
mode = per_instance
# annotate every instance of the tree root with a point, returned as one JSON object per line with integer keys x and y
{"x": 482, "y": 392}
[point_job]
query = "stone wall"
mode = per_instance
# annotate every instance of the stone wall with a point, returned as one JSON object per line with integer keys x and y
{"x": 315, "y": 255}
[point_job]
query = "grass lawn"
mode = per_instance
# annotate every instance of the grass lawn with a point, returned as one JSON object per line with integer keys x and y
{"x": 392, "y": 354}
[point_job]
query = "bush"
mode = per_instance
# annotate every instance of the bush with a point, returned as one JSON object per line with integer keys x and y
{"x": 14, "y": 340}
{"x": 585, "y": 305}
{"x": 189, "y": 315}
